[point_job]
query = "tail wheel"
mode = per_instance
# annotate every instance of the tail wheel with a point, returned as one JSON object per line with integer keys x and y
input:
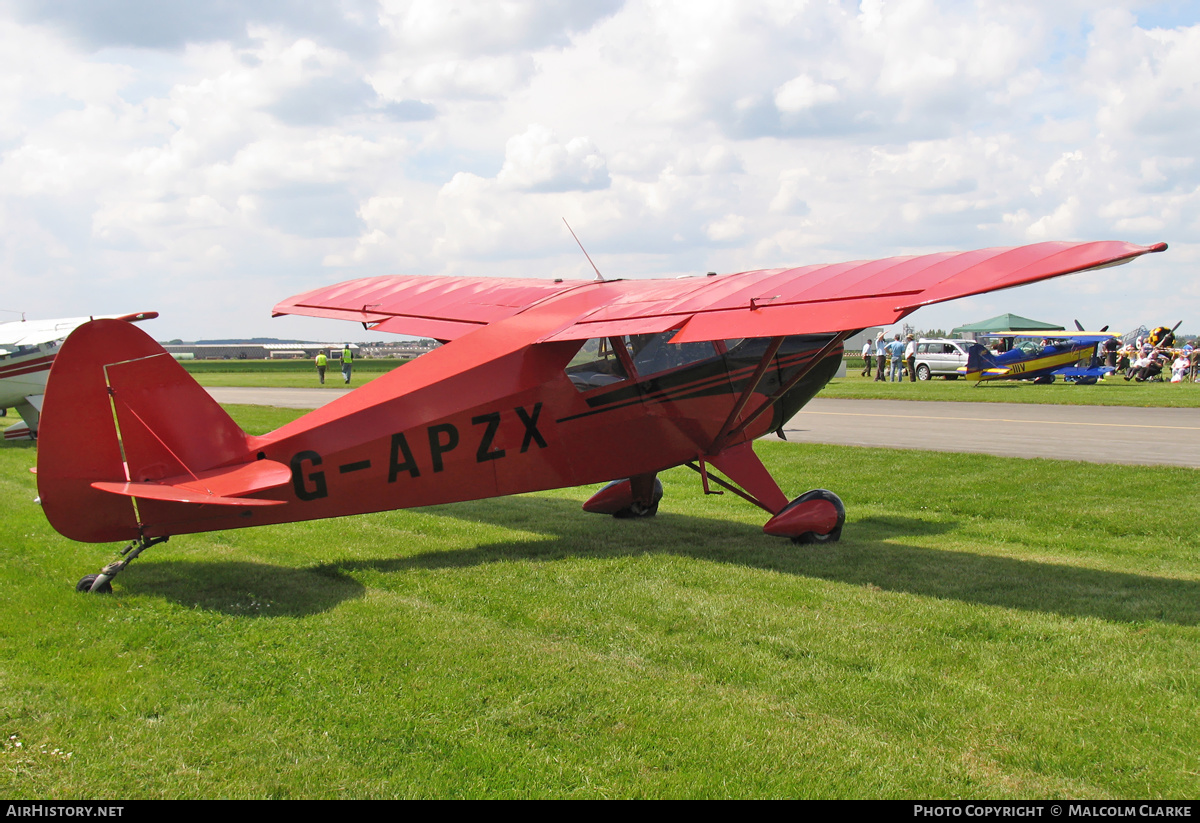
{"x": 85, "y": 585}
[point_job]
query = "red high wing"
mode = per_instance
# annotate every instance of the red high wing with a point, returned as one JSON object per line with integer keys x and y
{"x": 440, "y": 307}
{"x": 765, "y": 303}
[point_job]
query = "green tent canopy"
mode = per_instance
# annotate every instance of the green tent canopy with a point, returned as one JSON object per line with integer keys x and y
{"x": 1006, "y": 322}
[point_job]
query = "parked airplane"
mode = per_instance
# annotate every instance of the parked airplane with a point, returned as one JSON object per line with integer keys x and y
{"x": 541, "y": 384}
{"x": 1039, "y": 357}
{"x": 27, "y": 349}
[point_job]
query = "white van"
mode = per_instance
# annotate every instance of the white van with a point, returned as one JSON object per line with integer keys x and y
{"x": 941, "y": 358}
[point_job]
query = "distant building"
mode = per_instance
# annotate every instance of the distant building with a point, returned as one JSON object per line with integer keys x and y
{"x": 283, "y": 351}
{"x": 854, "y": 344}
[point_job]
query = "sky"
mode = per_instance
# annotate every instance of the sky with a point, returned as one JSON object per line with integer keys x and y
{"x": 207, "y": 160}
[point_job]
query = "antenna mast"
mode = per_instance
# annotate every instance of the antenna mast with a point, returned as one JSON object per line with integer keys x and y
{"x": 599, "y": 276}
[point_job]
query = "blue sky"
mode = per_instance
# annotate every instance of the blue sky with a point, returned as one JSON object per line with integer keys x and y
{"x": 208, "y": 160}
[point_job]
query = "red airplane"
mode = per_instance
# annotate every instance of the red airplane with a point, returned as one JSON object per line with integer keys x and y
{"x": 541, "y": 385}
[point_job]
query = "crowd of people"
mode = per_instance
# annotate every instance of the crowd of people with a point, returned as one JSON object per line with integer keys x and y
{"x": 900, "y": 354}
{"x": 1154, "y": 357}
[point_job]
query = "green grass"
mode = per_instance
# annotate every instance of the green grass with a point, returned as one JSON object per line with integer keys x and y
{"x": 1110, "y": 392}
{"x": 1035, "y": 637}
{"x": 280, "y": 374}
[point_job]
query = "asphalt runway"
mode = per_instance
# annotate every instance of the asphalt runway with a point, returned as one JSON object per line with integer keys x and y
{"x": 1094, "y": 434}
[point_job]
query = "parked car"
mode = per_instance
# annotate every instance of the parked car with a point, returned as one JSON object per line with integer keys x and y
{"x": 941, "y": 358}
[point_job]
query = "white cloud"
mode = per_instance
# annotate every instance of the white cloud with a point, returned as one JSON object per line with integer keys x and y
{"x": 264, "y": 154}
{"x": 801, "y": 93}
{"x": 537, "y": 160}
{"x": 479, "y": 78}
{"x": 729, "y": 227}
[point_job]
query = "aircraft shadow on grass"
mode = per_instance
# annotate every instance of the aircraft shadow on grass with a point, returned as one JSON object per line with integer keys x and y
{"x": 868, "y": 555}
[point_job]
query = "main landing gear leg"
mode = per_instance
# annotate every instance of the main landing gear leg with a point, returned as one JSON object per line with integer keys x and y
{"x": 102, "y": 583}
{"x": 814, "y": 517}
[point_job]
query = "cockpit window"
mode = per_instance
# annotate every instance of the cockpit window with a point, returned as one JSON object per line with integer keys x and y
{"x": 605, "y": 361}
{"x": 17, "y": 351}
{"x": 597, "y": 364}
{"x": 652, "y": 353}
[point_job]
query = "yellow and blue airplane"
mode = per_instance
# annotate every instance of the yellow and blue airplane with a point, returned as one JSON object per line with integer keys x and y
{"x": 1039, "y": 357}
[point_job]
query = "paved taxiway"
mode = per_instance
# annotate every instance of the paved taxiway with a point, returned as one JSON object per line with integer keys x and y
{"x": 1096, "y": 434}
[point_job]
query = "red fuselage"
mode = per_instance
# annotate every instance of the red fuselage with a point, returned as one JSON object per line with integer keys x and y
{"x": 489, "y": 414}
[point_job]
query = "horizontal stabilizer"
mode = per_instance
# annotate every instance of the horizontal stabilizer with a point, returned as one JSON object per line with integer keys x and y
{"x": 218, "y": 487}
{"x": 1073, "y": 372}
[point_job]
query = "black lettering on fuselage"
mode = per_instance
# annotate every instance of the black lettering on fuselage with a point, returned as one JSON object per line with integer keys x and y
{"x": 300, "y": 482}
{"x": 444, "y": 437}
{"x": 531, "y": 432}
{"x": 400, "y": 447}
{"x": 437, "y": 448}
{"x": 484, "y": 453}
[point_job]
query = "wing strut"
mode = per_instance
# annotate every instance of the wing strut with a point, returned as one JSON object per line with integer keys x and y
{"x": 740, "y": 405}
{"x": 729, "y": 433}
{"x": 712, "y": 478}
{"x": 705, "y": 478}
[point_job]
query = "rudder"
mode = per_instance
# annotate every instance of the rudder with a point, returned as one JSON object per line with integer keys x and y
{"x": 979, "y": 359}
{"x": 119, "y": 409}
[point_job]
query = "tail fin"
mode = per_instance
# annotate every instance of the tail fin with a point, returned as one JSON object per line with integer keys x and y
{"x": 123, "y": 424}
{"x": 978, "y": 360}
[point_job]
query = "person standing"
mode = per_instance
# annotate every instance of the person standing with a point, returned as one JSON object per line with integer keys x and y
{"x": 880, "y": 356}
{"x": 868, "y": 359}
{"x": 322, "y": 361}
{"x": 910, "y": 359}
{"x": 1110, "y": 351}
{"x": 896, "y": 350}
{"x": 347, "y": 363}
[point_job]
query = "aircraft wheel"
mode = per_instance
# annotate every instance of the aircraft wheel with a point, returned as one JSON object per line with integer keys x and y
{"x": 923, "y": 372}
{"x": 1043, "y": 380}
{"x": 617, "y": 498}
{"x": 814, "y": 517}
{"x": 638, "y": 510}
{"x": 85, "y": 585}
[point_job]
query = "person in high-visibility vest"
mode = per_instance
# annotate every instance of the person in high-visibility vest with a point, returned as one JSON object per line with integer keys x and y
{"x": 322, "y": 360}
{"x": 347, "y": 362}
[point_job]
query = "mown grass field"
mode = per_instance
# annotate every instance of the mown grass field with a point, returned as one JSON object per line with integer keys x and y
{"x": 1113, "y": 391}
{"x": 281, "y": 374}
{"x": 1035, "y": 637}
